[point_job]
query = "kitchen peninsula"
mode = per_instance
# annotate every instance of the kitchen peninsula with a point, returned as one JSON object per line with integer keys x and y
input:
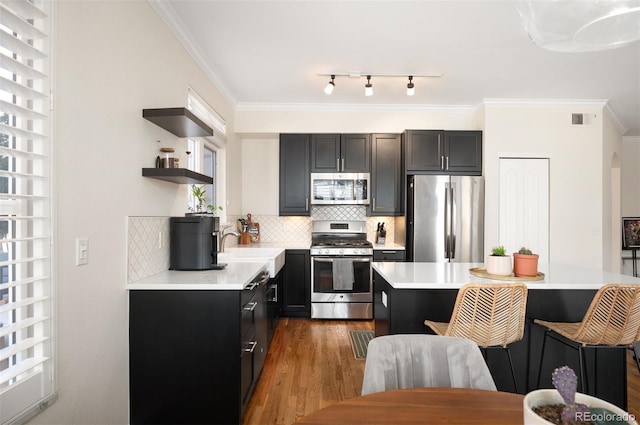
{"x": 405, "y": 294}
{"x": 198, "y": 340}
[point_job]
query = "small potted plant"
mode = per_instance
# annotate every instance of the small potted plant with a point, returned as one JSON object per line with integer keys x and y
{"x": 499, "y": 263}
{"x": 198, "y": 192}
{"x": 525, "y": 263}
{"x": 564, "y": 406}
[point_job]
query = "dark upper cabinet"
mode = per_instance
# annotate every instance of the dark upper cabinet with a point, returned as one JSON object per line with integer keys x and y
{"x": 296, "y": 283}
{"x": 443, "y": 152}
{"x": 294, "y": 174}
{"x": 463, "y": 152}
{"x": 386, "y": 175}
{"x": 335, "y": 153}
{"x": 423, "y": 150}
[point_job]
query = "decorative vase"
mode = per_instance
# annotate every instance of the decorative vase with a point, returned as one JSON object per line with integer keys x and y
{"x": 525, "y": 264}
{"x": 499, "y": 265}
{"x": 552, "y": 396}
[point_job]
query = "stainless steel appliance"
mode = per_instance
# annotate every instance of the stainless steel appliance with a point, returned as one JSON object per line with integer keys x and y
{"x": 445, "y": 219}
{"x": 340, "y": 188}
{"x": 341, "y": 284}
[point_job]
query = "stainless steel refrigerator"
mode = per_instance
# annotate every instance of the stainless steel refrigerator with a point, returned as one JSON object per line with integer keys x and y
{"x": 445, "y": 219}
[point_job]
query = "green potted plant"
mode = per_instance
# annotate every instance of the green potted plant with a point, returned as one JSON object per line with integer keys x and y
{"x": 499, "y": 263}
{"x": 525, "y": 263}
{"x": 199, "y": 195}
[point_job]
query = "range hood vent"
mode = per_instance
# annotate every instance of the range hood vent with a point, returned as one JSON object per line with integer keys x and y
{"x": 179, "y": 121}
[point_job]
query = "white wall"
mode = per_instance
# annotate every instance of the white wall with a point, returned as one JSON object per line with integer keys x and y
{"x": 611, "y": 192}
{"x": 575, "y": 153}
{"x": 112, "y": 59}
{"x": 630, "y": 176}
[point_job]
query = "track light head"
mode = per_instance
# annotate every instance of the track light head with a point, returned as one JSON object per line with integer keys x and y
{"x": 410, "y": 87}
{"x": 368, "y": 88}
{"x": 330, "y": 86}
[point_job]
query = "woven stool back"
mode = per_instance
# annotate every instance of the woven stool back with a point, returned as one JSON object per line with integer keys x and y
{"x": 613, "y": 317}
{"x": 489, "y": 314}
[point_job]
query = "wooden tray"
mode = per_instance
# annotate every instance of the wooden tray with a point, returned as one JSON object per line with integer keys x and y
{"x": 482, "y": 272}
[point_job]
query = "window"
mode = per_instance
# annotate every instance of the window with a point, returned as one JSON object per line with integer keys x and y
{"x": 208, "y": 153}
{"x": 26, "y": 312}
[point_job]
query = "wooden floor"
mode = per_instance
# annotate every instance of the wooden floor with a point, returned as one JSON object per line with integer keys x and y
{"x": 311, "y": 365}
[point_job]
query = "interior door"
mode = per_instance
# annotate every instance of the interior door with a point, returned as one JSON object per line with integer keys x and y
{"x": 524, "y": 205}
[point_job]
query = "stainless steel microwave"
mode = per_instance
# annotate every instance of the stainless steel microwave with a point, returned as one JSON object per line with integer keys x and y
{"x": 340, "y": 188}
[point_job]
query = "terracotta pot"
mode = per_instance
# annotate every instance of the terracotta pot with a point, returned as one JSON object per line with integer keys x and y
{"x": 525, "y": 264}
{"x": 499, "y": 265}
{"x": 551, "y": 396}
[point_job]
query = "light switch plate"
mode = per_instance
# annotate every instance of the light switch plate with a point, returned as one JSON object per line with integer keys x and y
{"x": 82, "y": 251}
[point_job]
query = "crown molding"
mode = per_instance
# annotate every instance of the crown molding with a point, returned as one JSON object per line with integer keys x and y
{"x": 348, "y": 107}
{"x": 630, "y": 139}
{"x": 608, "y": 110}
{"x": 597, "y": 103}
{"x": 175, "y": 24}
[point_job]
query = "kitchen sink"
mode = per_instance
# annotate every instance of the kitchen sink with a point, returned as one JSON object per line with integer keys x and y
{"x": 274, "y": 257}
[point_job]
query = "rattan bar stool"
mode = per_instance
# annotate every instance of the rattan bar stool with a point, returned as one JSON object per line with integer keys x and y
{"x": 491, "y": 315}
{"x": 612, "y": 320}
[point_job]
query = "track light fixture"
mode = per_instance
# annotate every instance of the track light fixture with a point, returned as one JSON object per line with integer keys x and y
{"x": 368, "y": 88}
{"x": 330, "y": 86}
{"x": 410, "y": 87}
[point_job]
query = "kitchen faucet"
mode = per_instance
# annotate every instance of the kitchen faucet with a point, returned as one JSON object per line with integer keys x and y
{"x": 224, "y": 236}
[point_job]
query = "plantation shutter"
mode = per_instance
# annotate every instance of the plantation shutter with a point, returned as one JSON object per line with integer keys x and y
{"x": 26, "y": 345}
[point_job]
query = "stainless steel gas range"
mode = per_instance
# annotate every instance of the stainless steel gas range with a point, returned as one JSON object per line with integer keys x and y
{"x": 341, "y": 283}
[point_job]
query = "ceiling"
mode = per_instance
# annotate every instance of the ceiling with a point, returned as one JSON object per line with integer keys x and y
{"x": 266, "y": 53}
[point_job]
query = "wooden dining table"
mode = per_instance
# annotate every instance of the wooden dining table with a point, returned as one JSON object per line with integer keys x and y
{"x": 424, "y": 406}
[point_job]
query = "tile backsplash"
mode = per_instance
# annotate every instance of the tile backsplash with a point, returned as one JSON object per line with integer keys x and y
{"x": 148, "y": 237}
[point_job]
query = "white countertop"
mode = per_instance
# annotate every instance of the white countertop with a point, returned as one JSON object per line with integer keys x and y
{"x": 388, "y": 245}
{"x": 454, "y": 275}
{"x": 235, "y": 276}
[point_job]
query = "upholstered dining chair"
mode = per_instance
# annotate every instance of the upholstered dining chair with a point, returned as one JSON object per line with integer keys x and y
{"x": 414, "y": 361}
{"x": 612, "y": 320}
{"x": 491, "y": 315}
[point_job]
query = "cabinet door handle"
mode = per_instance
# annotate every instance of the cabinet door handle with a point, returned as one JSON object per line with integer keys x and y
{"x": 338, "y": 164}
{"x": 388, "y": 252}
{"x": 306, "y": 204}
{"x": 251, "y": 306}
{"x": 442, "y": 162}
{"x": 342, "y": 164}
{"x": 447, "y": 166}
{"x": 374, "y": 204}
{"x": 250, "y": 347}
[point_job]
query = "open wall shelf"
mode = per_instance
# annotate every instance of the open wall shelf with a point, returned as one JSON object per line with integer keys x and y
{"x": 179, "y": 121}
{"x": 177, "y": 175}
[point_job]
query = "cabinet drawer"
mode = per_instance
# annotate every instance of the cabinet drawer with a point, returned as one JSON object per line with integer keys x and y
{"x": 388, "y": 255}
{"x": 248, "y": 316}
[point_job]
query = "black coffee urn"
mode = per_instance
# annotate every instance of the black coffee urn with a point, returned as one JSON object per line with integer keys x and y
{"x": 193, "y": 243}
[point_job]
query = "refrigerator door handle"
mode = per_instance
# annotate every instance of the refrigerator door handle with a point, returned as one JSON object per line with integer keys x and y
{"x": 452, "y": 233}
{"x": 447, "y": 216}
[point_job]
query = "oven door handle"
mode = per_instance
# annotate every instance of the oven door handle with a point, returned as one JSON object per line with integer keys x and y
{"x": 330, "y": 260}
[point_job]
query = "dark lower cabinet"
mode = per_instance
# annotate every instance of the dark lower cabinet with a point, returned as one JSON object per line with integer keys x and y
{"x": 274, "y": 303}
{"x": 195, "y": 356}
{"x": 388, "y": 254}
{"x": 296, "y": 284}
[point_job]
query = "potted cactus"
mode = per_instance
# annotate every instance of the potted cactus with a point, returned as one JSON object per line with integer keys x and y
{"x": 499, "y": 263}
{"x": 564, "y": 406}
{"x": 525, "y": 263}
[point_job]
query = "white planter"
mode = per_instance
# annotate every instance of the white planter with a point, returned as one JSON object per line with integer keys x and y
{"x": 551, "y": 396}
{"x": 499, "y": 265}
